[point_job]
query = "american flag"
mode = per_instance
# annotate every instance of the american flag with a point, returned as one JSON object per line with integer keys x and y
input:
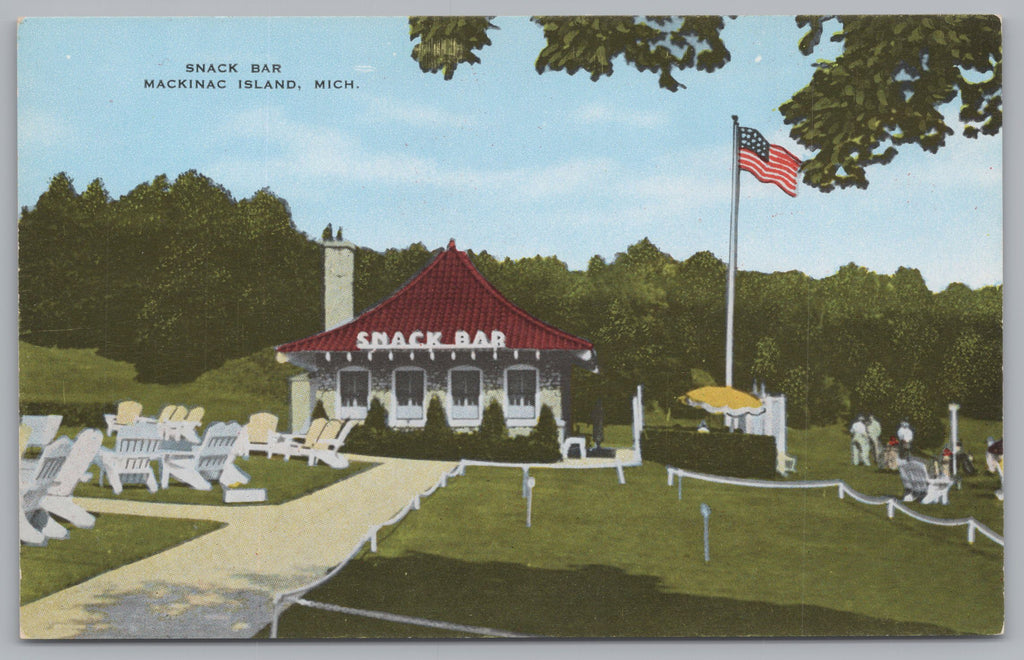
{"x": 769, "y": 163}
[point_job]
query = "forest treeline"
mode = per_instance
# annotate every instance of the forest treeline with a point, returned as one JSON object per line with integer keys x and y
{"x": 178, "y": 276}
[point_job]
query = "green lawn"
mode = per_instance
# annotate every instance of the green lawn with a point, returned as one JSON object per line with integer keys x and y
{"x": 232, "y": 392}
{"x": 116, "y": 540}
{"x": 601, "y": 560}
{"x": 604, "y": 560}
{"x": 824, "y": 453}
{"x": 283, "y": 480}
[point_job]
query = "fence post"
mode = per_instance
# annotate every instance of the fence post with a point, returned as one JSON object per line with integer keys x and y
{"x": 373, "y": 539}
{"x": 529, "y": 499}
{"x": 416, "y": 502}
{"x": 705, "y": 512}
{"x": 622, "y": 477}
{"x": 670, "y": 475}
{"x": 970, "y": 531}
{"x": 841, "y": 491}
{"x": 890, "y": 507}
{"x": 526, "y": 476}
{"x": 277, "y": 613}
{"x": 680, "y": 487}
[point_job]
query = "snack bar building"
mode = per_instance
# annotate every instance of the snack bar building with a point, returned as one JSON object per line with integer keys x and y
{"x": 446, "y": 333}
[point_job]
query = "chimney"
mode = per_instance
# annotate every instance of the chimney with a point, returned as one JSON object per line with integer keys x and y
{"x": 339, "y": 266}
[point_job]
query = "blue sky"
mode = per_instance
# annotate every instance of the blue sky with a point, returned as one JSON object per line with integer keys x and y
{"x": 500, "y": 158}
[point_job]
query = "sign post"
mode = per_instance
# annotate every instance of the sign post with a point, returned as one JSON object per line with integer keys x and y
{"x": 705, "y": 511}
{"x": 953, "y": 408}
{"x": 529, "y": 498}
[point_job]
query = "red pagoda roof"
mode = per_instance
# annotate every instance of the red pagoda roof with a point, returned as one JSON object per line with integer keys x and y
{"x": 447, "y": 304}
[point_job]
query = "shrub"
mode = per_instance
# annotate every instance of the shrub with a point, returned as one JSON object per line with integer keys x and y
{"x": 492, "y": 426}
{"x": 436, "y": 440}
{"x": 542, "y": 443}
{"x": 376, "y": 416}
{"x": 74, "y": 414}
{"x": 725, "y": 454}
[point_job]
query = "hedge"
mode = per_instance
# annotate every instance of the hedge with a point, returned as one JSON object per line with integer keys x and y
{"x": 74, "y": 414}
{"x": 725, "y": 454}
{"x": 438, "y": 442}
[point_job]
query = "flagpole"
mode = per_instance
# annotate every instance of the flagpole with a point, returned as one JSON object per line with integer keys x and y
{"x": 733, "y": 226}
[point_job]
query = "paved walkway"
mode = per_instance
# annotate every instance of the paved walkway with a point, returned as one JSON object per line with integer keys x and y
{"x": 220, "y": 585}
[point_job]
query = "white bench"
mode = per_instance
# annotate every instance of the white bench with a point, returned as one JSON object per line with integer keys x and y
{"x": 574, "y": 441}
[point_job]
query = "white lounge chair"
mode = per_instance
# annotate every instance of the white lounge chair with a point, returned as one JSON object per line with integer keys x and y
{"x": 35, "y": 525}
{"x": 43, "y": 429}
{"x": 326, "y": 447}
{"x": 323, "y": 446}
{"x": 210, "y": 461}
{"x": 129, "y": 462}
{"x": 921, "y": 486}
{"x": 287, "y": 443}
{"x": 184, "y": 424}
{"x": 24, "y": 435}
{"x": 165, "y": 414}
{"x": 785, "y": 464}
{"x": 128, "y": 413}
{"x": 577, "y": 441}
{"x": 260, "y": 434}
{"x": 57, "y": 500}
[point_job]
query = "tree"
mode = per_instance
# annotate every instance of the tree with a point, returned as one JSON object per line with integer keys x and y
{"x": 884, "y": 91}
{"x": 914, "y": 403}
{"x": 767, "y": 362}
{"x": 797, "y": 389}
{"x": 874, "y": 392}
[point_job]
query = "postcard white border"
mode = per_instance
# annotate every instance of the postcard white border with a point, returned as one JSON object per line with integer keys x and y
{"x": 1010, "y": 645}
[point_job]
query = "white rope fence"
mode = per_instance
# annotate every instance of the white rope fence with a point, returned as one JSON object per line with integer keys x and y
{"x": 294, "y": 597}
{"x": 411, "y": 620}
{"x": 891, "y": 503}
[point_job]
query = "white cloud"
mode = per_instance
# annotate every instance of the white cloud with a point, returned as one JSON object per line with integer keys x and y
{"x": 600, "y": 113}
{"x": 42, "y": 129}
{"x": 415, "y": 114}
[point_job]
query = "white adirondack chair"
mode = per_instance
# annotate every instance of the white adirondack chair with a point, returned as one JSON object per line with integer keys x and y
{"x": 57, "y": 500}
{"x": 35, "y": 525}
{"x": 128, "y": 413}
{"x": 287, "y": 443}
{"x": 784, "y": 463}
{"x": 260, "y": 434}
{"x": 183, "y": 424}
{"x": 129, "y": 462}
{"x": 165, "y": 414}
{"x": 211, "y": 460}
{"x": 921, "y": 486}
{"x": 43, "y": 429}
{"x": 327, "y": 445}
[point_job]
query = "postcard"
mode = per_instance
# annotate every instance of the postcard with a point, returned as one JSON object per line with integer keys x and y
{"x": 585, "y": 327}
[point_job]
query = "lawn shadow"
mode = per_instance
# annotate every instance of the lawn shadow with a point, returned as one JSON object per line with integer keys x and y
{"x": 584, "y": 602}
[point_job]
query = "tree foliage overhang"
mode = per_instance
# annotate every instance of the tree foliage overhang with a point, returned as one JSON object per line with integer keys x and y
{"x": 886, "y": 89}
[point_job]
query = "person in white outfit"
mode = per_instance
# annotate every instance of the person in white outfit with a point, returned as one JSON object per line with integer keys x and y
{"x": 859, "y": 445}
{"x": 875, "y": 436}
{"x": 905, "y": 436}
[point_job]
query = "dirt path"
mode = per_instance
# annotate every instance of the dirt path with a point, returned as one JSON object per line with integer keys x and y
{"x": 220, "y": 585}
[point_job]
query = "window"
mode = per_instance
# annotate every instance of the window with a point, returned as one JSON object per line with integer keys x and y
{"x": 521, "y": 390}
{"x": 409, "y": 389}
{"x": 353, "y": 393}
{"x": 464, "y": 386}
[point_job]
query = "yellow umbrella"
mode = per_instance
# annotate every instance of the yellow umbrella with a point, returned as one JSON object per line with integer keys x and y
{"x": 723, "y": 400}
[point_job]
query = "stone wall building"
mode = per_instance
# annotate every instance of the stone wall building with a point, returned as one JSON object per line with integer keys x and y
{"x": 446, "y": 333}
